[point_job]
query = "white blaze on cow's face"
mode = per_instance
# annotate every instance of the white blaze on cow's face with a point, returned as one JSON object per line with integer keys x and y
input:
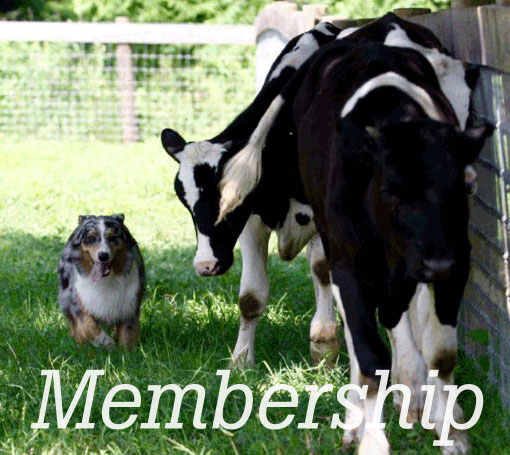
{"x": 196, "y": 177}
{"x": 196, "y": 185}
{"x": 192, "y": 157}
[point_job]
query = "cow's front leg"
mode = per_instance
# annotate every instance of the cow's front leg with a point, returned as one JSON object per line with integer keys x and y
{"x": 254, "y": 289}
{"x": 407, "y": 366}
{"x": 324, "y": 327}
{"x": 366, "y": 352}
{"x": 439, "y": 348}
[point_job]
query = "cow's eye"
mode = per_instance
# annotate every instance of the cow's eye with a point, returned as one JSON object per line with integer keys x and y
{"x": 391, "y": 194}
{"x": 387, "y": 193}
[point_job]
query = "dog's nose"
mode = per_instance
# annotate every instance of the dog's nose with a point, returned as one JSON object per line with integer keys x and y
{"x": 103, "y": 257}
{"x": 206, "y": 268}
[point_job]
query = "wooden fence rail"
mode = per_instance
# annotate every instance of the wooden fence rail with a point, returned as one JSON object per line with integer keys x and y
{"x": 124, "y": 32}
{"x": 124, "y": 36}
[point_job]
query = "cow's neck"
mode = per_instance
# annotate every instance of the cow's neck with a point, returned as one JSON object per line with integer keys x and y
{"x": 240, "y": 129}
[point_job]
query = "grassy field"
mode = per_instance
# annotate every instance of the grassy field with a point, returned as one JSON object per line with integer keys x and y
{"x": 188, "y": 324}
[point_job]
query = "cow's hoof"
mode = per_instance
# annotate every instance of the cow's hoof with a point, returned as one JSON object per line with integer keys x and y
{"x": 460, "y": 445}
{"x": 241, "y": 362}
{"x": 324, "y": 342}
{"x": 414, "y": 415}
{"x": 324, "y": 350}
{"x": 374, "y": 443}
{"x": 349, "y": 438}
{"x": 415, "y": 412}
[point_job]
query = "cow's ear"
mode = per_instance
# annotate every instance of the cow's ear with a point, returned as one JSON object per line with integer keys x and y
{"x": 373, "y": 135}
{"x": 172, "y": 142}
{"x": 471, "y": 142}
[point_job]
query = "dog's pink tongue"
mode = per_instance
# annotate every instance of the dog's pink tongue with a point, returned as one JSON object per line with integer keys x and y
{"x": 98, "y": 271}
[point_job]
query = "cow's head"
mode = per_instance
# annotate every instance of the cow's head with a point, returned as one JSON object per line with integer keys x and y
{"x": 196, "y": 184}
{"x": 420, "y": 193}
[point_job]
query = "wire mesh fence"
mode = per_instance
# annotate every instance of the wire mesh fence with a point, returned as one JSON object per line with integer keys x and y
{"x": 85, "y": 87}
{"x": 79, "y": 91}
{"x": 484, "y": 323}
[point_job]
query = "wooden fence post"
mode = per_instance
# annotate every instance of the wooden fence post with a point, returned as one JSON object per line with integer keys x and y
{"x": 126, "y": 84}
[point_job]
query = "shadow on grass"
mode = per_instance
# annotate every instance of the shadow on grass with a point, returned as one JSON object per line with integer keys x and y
{"x": 189, "y": 326}
{"x": 180, "y": 308}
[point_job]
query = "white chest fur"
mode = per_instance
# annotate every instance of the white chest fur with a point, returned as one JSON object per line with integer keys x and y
{"x": 112, "y": 299}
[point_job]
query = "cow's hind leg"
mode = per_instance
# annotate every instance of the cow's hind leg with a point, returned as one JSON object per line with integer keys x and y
{"x": 324, "y": 327}
{"x": 254, "y": 289}
{"x": 439, "y": 348}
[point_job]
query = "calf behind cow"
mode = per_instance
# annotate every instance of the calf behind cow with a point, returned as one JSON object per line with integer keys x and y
{"x": 278, "y": 204}
{"x": 382, "y": 160}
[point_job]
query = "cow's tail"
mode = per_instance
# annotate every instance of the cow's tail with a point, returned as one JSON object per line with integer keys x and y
{"x": 243, "y": 171}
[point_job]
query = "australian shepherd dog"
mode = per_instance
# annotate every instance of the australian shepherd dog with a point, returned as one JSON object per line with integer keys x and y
{"x": 101, "y": 282}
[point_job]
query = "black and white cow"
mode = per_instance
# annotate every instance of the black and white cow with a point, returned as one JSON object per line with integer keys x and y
{"x": 250, "y": 171}
{"x": 278, "y": 204}
{"x": 382, "y": 159}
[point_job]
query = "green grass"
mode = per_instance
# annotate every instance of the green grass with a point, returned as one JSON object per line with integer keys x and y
{"x": 188, "y": 324}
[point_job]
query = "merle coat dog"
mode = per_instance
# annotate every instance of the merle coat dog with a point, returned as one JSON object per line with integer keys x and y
{"x": 382, "y": 159}
{"x": 102, "y": 281}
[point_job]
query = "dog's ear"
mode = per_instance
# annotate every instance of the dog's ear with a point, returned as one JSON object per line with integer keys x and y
{"x": 77, "y": 235}
{"x": 83, "y": 218}
{"x": 118, "y": 217}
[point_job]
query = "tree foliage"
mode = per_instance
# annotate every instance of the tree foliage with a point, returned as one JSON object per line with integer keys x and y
{"x": 226, "y": 11}
{"x": 212, "y": 11}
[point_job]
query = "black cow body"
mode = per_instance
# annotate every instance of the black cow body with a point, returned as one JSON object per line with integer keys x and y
{"x": 250, "y": 172}
{"x": 382, "y": 160}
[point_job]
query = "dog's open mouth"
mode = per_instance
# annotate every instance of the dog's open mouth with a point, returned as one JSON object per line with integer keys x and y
{"x": 99, "y": 271}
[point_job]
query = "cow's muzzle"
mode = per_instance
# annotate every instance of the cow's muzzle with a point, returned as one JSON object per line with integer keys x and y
{"x": 437, "y": 269}
{"x": 211, "y": 268}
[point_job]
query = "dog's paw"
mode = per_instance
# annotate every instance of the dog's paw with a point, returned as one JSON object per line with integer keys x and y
{"x": 104, "y": 341}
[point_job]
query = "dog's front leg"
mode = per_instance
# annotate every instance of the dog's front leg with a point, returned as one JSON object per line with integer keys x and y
{"x": 127, "y": 333}
{"x": 86, "y": 328}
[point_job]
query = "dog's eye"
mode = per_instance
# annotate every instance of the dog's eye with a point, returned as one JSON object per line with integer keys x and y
{"x": 89, "y": 239}
{"x": 113, "y": 240}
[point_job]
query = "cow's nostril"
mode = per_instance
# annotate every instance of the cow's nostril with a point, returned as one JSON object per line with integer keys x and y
{"x": 206, "y": 268}
{"x": 438, "y": 265}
